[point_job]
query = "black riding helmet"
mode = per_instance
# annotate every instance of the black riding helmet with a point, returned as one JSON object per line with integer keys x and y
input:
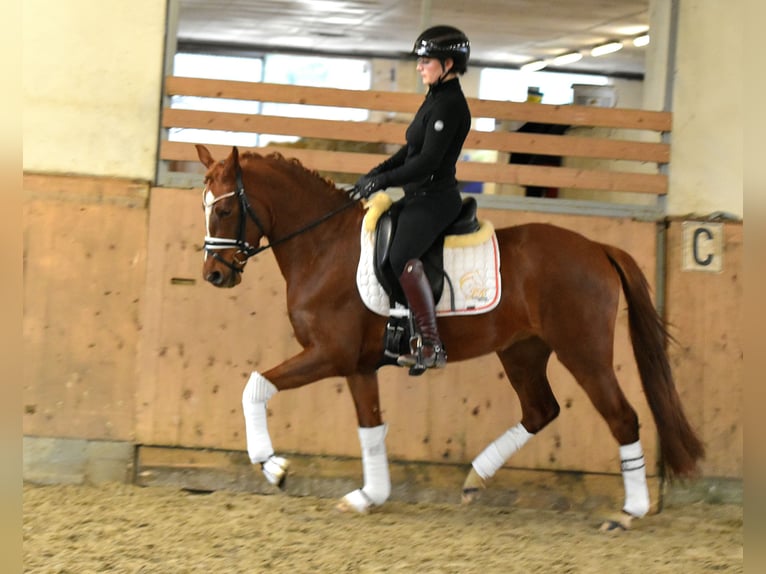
{"x": 442, "y": 42}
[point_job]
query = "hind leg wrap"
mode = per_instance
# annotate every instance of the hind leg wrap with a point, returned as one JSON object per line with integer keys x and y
{"x": 257, "y": 392}
{"x": 495, "y": 455}
{"x": 633, "y": 469}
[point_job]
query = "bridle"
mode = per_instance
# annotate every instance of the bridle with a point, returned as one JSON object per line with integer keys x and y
{"x": 214, "y": 244}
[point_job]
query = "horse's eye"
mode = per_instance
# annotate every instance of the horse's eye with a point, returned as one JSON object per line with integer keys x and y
{"x": 224, "y": 212}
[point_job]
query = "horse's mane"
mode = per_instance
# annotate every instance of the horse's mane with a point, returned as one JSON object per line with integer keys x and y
{"x": 293, "y": 164}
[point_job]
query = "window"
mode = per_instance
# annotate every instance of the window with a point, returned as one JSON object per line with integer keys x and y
{"x": 278, "y": 69}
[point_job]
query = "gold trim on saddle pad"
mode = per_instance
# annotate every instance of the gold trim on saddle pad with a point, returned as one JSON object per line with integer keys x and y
{"x": 485, "y": 231}
{"x": 380, "y": 202}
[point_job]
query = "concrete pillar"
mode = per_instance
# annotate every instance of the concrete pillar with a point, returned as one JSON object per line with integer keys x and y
{"x": 92, "y": 84}
{"x": 707, "y": 78}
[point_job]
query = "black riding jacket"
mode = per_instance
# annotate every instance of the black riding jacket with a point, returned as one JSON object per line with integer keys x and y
{"x": 434, "y": 140}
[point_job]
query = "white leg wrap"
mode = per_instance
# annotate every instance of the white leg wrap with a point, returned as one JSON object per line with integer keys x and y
{"x": 495, "y": 455}
{"x": 633, "y": 469}
{"x": 377, "y": 482}
{"x": 257, "y": 391}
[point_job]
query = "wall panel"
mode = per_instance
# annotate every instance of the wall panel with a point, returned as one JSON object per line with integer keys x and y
{"x": 84, "y": 274}
{"x": 123, "y": 340}
{"x": 707, "y": 314}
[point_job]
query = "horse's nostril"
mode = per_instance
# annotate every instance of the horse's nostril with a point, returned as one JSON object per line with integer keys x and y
{"x": 214, "y": 277}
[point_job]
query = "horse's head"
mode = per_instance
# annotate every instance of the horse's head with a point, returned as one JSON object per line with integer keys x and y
{"x": 230, "y": 238}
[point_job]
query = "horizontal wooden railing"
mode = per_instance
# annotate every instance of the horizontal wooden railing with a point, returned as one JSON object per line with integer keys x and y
{"x": 386, "y": 132}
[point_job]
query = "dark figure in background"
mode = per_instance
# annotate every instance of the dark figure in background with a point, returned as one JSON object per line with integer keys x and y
{"x": 535, "y": 95}
{"x": 425, "y": 169}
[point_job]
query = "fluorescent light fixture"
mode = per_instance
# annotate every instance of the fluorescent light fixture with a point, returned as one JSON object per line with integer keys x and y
{"x": 641, "y": 41}
{"x": 604, "y": 49}
{"x": 534, "y": 66}
{"x": 565, "y": 59}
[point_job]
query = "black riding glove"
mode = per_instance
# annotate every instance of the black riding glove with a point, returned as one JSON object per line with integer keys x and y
{"x": 368, "y": 184}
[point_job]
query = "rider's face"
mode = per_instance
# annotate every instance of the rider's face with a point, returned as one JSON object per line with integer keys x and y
{"x": 430, "y": 69}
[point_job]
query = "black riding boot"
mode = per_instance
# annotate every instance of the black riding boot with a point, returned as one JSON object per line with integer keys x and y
{"x": 426, "y": 347}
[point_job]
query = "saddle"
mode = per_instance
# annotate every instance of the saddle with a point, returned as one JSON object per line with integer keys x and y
{"x": 433, "y": 261}
{"x": 400, "y": 327}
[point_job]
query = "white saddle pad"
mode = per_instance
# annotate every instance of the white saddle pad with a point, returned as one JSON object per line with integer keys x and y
{"x": 472, "y": 263}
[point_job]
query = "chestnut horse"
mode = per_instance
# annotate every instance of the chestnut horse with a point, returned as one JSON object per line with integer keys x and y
{"x": 560, "y": 294}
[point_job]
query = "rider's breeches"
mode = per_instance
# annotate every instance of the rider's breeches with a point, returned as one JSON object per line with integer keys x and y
{"x": 422, "y": 219}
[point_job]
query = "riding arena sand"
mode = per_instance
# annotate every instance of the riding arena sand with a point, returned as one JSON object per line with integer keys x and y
{"x": 121, "y": 528}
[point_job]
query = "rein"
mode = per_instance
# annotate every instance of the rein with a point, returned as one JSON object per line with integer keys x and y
{"x": 213, "y": 244}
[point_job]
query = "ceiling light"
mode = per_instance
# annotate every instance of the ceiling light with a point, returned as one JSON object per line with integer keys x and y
{"x": 606, "y": 49}
{"x": 641, "y": 41}
{"x": 565, "y": 59}
{"x": 534, "y": 66}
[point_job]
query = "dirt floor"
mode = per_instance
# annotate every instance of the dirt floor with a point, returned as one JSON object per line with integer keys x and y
{"x": 124, "y": 528}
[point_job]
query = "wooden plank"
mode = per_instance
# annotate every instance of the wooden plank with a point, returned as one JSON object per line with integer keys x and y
{"x": 344, "y": 162}
{"x": 83, "y": 286}
{"x": 282, "y": 93}
{"x": 568, "y": 146}
{"x": 571, "y": 115}
{"x": 575, "y": 146}
{"x": 350, "y": 162}
{"x": 303, "y": 127}
{"x": 707, "y": 312}
{"x": 409, "y": 102}
{"x": 156, "y": 396}
{"x": 563, "y": 177}
{"x": 83, "y": 189}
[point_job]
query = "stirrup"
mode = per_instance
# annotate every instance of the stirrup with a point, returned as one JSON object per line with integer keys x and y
{"x": 418, "y": 362}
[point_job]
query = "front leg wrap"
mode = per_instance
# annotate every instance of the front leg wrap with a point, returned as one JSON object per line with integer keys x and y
{"x": 257, "y": 392}
{"x": 491, "y": 459}
{"x": 495, "y": 455}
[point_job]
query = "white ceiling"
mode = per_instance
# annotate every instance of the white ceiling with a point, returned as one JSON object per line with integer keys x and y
{"x": 505, "y": 33}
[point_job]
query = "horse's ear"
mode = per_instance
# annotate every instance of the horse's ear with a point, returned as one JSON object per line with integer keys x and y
{"x": 204, "y": 155}
{"x": 232, "y": 161}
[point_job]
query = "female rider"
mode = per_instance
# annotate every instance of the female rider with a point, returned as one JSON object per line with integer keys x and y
{"x": 425, "y": 169}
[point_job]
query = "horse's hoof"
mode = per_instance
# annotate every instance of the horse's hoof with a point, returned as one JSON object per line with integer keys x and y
{"x": 472, "y": 487}
{"x": 619, "y": 523}
{"x": 275, "y": 471}
{"x": 344, "y": 507}
{"x": 356, "y": 502}
{"x": 470, "y": 495}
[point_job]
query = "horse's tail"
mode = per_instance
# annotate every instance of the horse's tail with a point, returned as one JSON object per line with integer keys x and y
{"x": 680, "y": 446}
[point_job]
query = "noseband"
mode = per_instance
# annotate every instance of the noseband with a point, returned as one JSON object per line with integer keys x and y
{"x": 214, "y": 244}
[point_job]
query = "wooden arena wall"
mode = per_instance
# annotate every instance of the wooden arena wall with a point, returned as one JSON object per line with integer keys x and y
{"x": 125, "y": 342}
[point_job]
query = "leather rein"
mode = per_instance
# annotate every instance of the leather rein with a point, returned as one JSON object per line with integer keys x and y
{"x": 214, "y": 244}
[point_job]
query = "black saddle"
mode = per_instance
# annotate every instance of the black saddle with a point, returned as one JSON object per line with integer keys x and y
{"x": 433, "y": 261}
